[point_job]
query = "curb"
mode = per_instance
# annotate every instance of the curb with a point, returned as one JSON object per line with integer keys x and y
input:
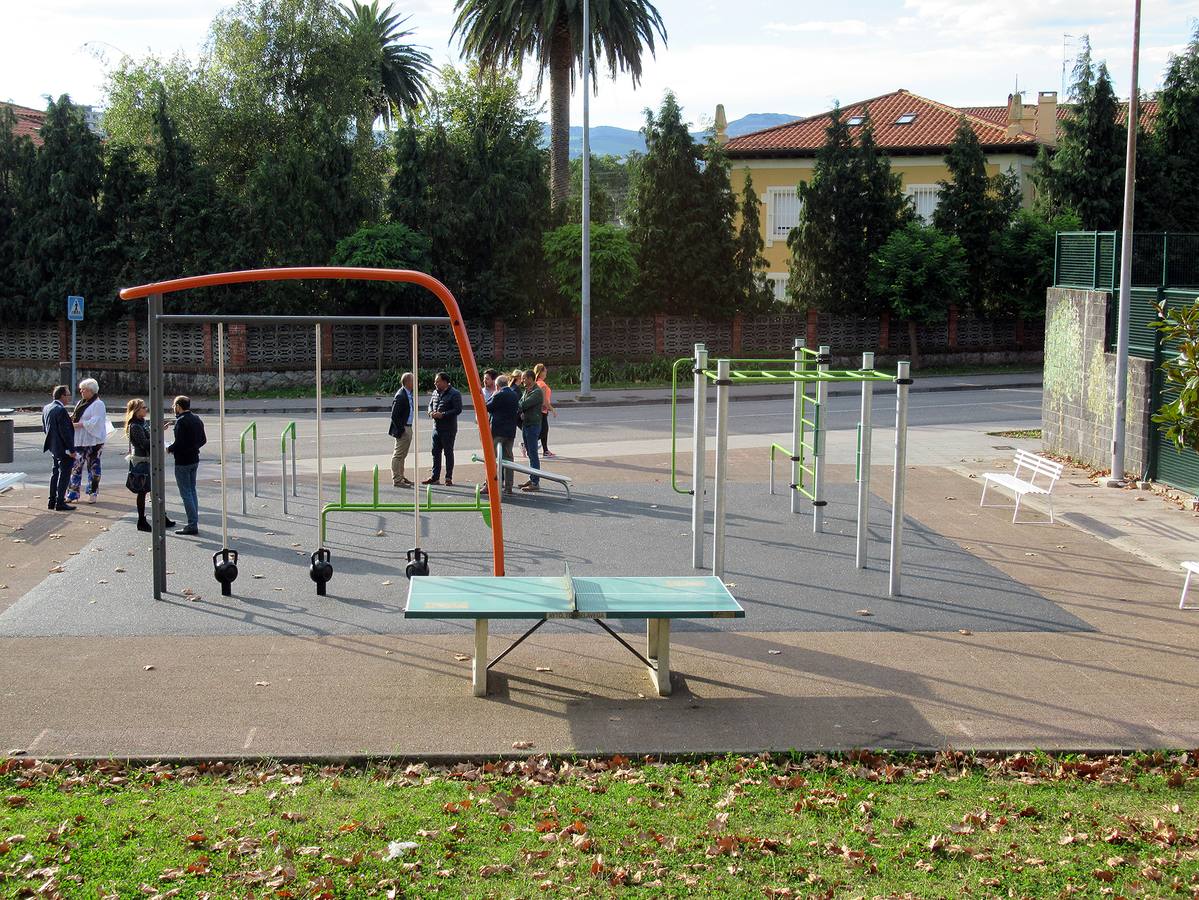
{"x": 245, "y": 407}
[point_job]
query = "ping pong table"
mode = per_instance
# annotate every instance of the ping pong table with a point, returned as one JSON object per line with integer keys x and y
{"x": 655, "y": 599}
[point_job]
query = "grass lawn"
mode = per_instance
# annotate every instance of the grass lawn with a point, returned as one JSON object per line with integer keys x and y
{"x": 866, "y": 825}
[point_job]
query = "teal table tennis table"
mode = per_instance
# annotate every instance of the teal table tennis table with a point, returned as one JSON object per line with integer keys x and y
{"x": 655, "y": 599}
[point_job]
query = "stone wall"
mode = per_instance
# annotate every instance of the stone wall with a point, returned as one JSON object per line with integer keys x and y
{"x": 1078, "y": 401}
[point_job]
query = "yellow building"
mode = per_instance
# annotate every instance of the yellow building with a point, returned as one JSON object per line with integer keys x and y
{"x": 912, "y": 130}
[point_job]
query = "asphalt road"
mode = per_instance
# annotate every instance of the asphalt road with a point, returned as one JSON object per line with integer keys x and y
{"x": 641, "y": 425}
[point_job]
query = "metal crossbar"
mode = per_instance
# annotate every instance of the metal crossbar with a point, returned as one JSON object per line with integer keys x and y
{"x": 757, "y": 376}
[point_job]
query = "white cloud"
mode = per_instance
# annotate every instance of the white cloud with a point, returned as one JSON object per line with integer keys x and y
{"x": 839, "y": 26}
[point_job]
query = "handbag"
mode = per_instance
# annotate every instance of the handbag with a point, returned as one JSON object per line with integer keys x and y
{"x": 138, "y": 479}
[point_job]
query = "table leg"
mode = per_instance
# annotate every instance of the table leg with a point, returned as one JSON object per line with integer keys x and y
{"x": 661, "y": 675}
{"x": 651, "y": 638}
{"x": 479, "y": 666}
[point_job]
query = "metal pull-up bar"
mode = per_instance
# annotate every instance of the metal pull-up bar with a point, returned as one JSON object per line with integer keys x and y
{"x": 154, "y": 293}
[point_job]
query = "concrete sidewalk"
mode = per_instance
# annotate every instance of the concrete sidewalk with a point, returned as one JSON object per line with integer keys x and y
{"x": 28, "y": 406}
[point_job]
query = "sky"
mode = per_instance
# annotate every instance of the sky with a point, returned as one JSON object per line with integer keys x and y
{"x": 751, "y": 55}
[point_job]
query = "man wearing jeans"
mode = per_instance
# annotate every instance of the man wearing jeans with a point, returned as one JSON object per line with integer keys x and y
{"x": 189, "y": 438}
{"x": 530, "y": 409}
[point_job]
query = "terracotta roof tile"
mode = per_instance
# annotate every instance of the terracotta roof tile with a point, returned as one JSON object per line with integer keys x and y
{"x": 933, "y": 127}
{"x": 29, "y": 122}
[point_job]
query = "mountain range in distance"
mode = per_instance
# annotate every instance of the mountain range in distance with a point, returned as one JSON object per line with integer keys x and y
{"x": 607, "y": 140}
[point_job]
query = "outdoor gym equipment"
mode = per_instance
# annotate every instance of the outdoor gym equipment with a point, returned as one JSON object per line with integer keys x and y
{"x": 563, "y": 480}
{"x": 224, "y": 561}
{"x": 252, "y": 430}
{"x": 156, "y": 319}
{"x": 320, "y": 568}
{"x": 810, "y": 374}
{"x": 289, "y": 430}
{"x": 479, "y": 505}
{"x": 418, "y": 559}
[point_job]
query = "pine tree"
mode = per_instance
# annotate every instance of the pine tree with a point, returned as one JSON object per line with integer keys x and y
{"x": 681, "y": 221}
{"x": 17, "y": 158}
{"x": 1086, "y": 173}
{"x": 976, "y": 208}
{"x": 1172, "y": 178}
{"x": 749, "y": 263}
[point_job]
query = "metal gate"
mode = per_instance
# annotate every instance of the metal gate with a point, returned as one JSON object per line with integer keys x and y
{"x": 1167, "y": 464}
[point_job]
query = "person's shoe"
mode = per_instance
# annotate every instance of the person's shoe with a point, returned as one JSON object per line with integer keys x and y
{"x": 64, "y": 507}
{"x": 449, "y": 482}
{"x": 50, "y": 505}
{"x": 143, "y": 525}
{"x": 431, "y": 481}
{"x": 508, "y": 491}
{"x": 402, "y": 483}
{"x": 188, "y": 530}
{"x": 530, "y": 488}
{"x": 91, "y": 498}
{"x": 170, "y": 523}
{"x": 524, "y": 484}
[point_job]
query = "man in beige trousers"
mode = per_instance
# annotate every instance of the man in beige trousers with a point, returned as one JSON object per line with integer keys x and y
{"x": 402, "y": 407}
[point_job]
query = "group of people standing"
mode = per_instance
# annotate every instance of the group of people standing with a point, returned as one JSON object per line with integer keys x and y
{"x": 519, "y": 400}
{"x": 75, "y": 440}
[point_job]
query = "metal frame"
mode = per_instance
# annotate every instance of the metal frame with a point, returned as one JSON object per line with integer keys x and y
{"x": 289, "y": 428}
{"x": 251, "y": 429}
{"x": 153, "y": 295}
{"x": 699, "y": 455}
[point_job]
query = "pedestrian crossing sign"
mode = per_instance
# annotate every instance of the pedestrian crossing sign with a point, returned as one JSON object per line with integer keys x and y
{"x": 74, "y": 309}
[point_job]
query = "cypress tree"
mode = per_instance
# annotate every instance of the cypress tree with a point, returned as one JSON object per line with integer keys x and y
{"x": 1173, "y": 183}
{"x": 17, "y": 159}
{"x": 750, "y": 265}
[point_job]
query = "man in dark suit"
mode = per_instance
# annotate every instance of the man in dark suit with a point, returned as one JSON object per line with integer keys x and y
{"x": 502, "y": 409}
{"x": 402, "y": 408}
{"x": 60, "y": 444}
{"x": 444, "y": 409}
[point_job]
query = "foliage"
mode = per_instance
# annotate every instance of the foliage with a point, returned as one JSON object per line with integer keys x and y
{"x": 1022, "y": 264}
{"x": 17, "y": 160}
{"x": 400, "y": 79}
{"x": 682, "y": 221}
{"x": 1172, "y": 184}
{"x": 1086, "y": 173}
{"x": 862, "y": 824}
{"x": 848, "y": 209}
{"x": 391, "y": 245}
{"x": 748, "y": 262}
{"x": 919, "y": 273}
{"x": 470, "y": 177}
{"x": 613, "y": 268}
{"x": 1178, "y": 329}
{"x": 502, "y": 33}
{"x": 976, "y": 208}
{"x": 609, "y": 188}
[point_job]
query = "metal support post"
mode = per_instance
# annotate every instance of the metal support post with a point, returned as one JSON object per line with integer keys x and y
{"x": 818, "y": 501}
{"x": 864, "y": 434}
{"x": 797, "y": 405}
{"x": 903, "y": 382}
{"x": 699, "y": 452}
{"x": 290, "y": 429}
{"x": 722, "y": 461}
{"x": 74, "y": 370}
{"x": 158, "y": 513}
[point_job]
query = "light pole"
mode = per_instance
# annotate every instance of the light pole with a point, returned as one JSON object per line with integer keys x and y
{"x": 585, "y": 324}
{"x": 1130, "y": 175}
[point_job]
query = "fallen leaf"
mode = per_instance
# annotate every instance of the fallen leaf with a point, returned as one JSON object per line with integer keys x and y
{"x": 147, "y": 668}
{"x": 461, "y": 657}
{"x": 262, "y": 684}
{"x": 386, "y": 583}
{"x": 965, "y": 631}
{"x": 774, "y": 652}
{"x": 544, "y": 669}
{"x": 863, "y": 612}
{"x": 522, "y": 745}
{"x": 396, "y": 849}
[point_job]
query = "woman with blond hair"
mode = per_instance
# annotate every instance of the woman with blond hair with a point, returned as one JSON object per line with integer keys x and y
{"x": 547, "y": 407}
{"x": 91, "y": 431}
{"x": 137, "y": 430}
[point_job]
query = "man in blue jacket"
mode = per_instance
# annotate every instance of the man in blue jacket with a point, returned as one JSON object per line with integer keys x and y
{"x": 60, "y": 444}
{"x": 189, "y": 438}
{"x": 402, "y": 409}
{"x": 502, "y": 409}
{"x": 444, "y": 409}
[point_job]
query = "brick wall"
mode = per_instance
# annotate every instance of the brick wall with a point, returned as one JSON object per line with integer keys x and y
{"x": 1077, "y": 408}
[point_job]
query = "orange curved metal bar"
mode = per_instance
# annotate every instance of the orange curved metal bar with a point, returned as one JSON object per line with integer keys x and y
{"x": 351, "y": 273}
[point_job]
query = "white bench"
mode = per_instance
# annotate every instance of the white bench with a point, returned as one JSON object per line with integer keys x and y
{"x": 1033, "y": 475}
{"x": 9, "y": 480}
{"x": 1191, "y": 569}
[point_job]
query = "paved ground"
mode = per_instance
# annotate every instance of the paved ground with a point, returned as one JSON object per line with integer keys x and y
{"x": 1014, "y": 636}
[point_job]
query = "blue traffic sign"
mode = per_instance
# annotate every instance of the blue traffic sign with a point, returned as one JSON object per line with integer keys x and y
{"x": 75, "y": 309}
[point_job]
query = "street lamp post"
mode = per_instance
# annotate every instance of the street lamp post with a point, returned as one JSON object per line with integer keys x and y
{"x": 585, "y": 325}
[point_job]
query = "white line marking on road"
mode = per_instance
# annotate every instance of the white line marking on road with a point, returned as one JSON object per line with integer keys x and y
{"x": 250, "y": 738}
{"x": 37, "y": 740}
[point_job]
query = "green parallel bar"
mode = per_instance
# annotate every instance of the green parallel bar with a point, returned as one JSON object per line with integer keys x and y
{"x": 751, "y": 376}
{"x": 374, "y": 487}
{"x": 290, "y": 427}
{"x": 252, "y": 429}
{"x": 343, "y": 491}
{"x": 444, "y": 506}
{"x": 674, "y": 424}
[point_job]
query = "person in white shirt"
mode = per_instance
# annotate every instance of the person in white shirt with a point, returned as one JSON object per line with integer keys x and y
{"x": 489, "y": 387}
{"x": 91, "y": 431}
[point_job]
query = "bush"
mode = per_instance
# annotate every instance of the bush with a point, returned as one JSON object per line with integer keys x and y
{"x": 613, "y": 268}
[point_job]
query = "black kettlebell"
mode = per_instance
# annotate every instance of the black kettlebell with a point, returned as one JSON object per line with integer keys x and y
{"x": 321, "y": 570}
{"x": 418, "y": 563}
{"x": 224, "y": 568}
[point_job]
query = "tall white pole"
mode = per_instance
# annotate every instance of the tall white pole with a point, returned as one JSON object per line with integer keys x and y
{"x": 864, "y": 448}
{"x": 797, "y": 404}
{"x": 719, "y": 490}
{"x": 699, "y": 452}
{"x": 1119, "y": 416}
{"x": 903, "y": 381}
{"x": 819, "y": 502}
{"x": 585, "y": 329}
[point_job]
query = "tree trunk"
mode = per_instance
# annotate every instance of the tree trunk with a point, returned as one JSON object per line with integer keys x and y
{"x": 913, "y": 345}
{"x": 561, "y": 59}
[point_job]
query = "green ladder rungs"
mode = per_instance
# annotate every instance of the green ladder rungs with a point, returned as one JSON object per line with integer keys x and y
{"x": 484, "y": 509}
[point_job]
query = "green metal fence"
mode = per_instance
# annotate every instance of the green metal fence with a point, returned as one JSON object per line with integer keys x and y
{"x": 1090, "y": 260}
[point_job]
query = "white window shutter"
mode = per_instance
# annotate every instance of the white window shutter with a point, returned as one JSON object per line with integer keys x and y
{"x": 771, "y": 206}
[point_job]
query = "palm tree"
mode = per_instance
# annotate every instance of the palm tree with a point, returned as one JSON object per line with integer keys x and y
{"x": 504, "y": 32}
{"x": 401, "y": 81}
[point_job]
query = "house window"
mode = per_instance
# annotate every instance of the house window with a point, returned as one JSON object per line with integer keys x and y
{"x": 782, "y": 213}
{"x": 778, "y": 284}
{"x": 924, "y": 200}
{"x": 906, "y": 119}
{"x": 855, "y": 120}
